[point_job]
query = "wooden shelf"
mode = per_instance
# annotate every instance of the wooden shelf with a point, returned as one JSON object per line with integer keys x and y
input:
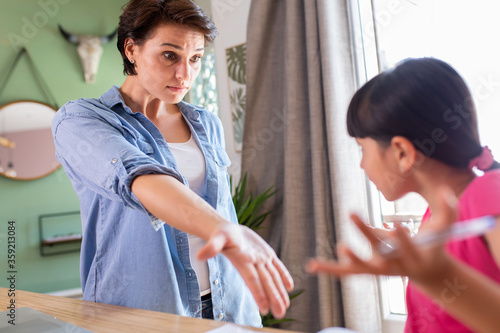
{"x": 60, "y": 233}
{"x": 62, "y": 240}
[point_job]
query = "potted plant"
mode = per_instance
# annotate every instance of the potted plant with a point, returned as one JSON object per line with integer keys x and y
{"x": 247, "y": 207}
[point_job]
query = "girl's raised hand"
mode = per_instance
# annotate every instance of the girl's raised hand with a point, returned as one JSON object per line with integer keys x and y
{"x": 419, "y": 263}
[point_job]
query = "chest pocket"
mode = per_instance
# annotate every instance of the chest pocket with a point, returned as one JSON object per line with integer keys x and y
{"x": 135, "y": 138}
{"x": 145, "y": 146}
{"x": 221, "y": 158}
{"x": 223, "y": 162}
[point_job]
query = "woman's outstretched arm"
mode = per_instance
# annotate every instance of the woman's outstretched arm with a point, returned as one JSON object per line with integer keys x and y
{"x": 261, "y": 269}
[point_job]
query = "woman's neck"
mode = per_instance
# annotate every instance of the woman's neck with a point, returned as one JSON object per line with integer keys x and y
{"x": 140, "y": 100}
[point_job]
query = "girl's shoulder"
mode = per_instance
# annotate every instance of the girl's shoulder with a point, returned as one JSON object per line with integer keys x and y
{"x": 490, "y": 181}
{"x": 482, "y": 195}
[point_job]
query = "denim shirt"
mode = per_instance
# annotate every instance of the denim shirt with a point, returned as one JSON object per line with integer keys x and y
{"x": 128, "y": 256}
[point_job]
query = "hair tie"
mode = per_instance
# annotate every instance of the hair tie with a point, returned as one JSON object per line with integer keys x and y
{"x": 484, "y": 161}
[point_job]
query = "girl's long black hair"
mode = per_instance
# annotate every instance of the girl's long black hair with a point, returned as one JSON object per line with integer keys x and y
{"x": 424, "y": 100}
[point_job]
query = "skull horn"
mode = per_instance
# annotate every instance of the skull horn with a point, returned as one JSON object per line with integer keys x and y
{"x": 107, "y": 38}
{"x": 69, "y": 37}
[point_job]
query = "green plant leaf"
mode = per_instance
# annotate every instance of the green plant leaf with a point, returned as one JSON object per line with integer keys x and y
{"x": 249, "y": 209}
{"x": 238, "y": 100}
{"x": 255, "y": 224}
{"x": 247, "y": 205}
{"x": 269, "y": 320}
{"x": 246, "y": 210}
{"x": 236, "y": 58}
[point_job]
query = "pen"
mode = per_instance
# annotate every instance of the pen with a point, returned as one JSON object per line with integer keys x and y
{"x": 459, "y": 230}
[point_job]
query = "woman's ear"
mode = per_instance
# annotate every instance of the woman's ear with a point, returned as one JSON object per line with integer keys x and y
{"x": 129, "y": 47}
{"x": 405, "y": 153}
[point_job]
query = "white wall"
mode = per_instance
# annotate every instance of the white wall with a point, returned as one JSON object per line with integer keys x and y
{"x": 230, "y": 17}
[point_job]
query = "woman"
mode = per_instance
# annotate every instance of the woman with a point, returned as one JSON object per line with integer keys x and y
{"x": 416, "y": 125}
{"x": 151, "y": 174}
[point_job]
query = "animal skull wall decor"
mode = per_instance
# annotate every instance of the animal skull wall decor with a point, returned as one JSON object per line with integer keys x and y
{"x": 89, "y": 50}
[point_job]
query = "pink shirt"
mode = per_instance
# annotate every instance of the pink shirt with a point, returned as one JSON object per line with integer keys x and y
{"x": 480, "y": 198}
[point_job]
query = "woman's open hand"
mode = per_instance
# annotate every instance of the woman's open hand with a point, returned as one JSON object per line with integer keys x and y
{"x": 261, "y": 269}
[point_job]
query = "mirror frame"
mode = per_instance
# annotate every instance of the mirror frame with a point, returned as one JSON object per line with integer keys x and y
{"x": 45, "y": 174}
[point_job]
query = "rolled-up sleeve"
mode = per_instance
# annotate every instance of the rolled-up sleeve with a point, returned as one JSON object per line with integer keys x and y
{"x": 102, "y": 156}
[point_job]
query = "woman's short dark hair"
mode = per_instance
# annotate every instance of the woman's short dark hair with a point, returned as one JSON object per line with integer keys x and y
{"x": 424, "y": 100}
{"x": 141, "y": 17}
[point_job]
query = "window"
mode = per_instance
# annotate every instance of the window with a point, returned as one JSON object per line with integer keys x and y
{"x": 460, "y": 32}
{"x": 204, "y": 90}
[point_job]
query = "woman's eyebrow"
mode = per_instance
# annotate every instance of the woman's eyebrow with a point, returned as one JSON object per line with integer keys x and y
{"x": 180, "y": 47}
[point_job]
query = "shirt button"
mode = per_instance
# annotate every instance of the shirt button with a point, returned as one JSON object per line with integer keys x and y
{"x": 221, "y": 315}
{"x": 216, "y": 282}
{"x": 114, "y": 160}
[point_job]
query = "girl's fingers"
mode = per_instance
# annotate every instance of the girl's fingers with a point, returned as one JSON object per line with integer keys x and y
{"x": 319, "y": 266}
{"x": 367, "y": 232}
{"x": 360, "y": 266}
{"x": 350, "y": 263}
{"x": 406, "y": 247}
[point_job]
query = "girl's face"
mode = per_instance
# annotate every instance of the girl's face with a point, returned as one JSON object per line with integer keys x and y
{"x": 381, "y": 166}
{"x": 169, "y": 61}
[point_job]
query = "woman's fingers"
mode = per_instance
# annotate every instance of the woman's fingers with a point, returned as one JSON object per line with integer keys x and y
{"x": 251, "y": 276}
{"x": 264, "y": 274}
{"x": 283, "y": 273}
{"x": 275, "y": 291}
{"x": 264, "y": 282}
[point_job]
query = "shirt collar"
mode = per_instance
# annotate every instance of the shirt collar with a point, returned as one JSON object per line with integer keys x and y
{"x": 113, "y": 97}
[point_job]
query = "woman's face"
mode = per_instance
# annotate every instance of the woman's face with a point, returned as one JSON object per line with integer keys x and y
{"x": 381, "y": 167}
{"x": 169, "y": 61}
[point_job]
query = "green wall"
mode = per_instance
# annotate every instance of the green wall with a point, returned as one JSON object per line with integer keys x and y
{"x": 33, "y": 23}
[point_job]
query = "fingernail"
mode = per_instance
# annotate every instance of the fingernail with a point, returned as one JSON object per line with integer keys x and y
{"x": 264, "y": 308}
{"x": 278, "y": 315}
{"x": 310, "y": 266}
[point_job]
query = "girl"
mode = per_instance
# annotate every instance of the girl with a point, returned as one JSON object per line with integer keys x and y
{"x": 416, "y": 125}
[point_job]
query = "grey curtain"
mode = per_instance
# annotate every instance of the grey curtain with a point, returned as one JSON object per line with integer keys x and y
{"x": 300, "y": 79}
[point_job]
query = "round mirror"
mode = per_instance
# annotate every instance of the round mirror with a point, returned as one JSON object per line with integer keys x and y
{"x": 27, "y": 148}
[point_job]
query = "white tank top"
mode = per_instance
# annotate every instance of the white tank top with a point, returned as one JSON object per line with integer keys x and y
{"x": 191, "y": 165}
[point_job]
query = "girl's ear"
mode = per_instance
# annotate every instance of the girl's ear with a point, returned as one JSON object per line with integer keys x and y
{"x": 405, "y": 153}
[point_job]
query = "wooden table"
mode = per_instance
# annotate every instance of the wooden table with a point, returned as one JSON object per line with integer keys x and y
{"x": 99, "y": 317}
